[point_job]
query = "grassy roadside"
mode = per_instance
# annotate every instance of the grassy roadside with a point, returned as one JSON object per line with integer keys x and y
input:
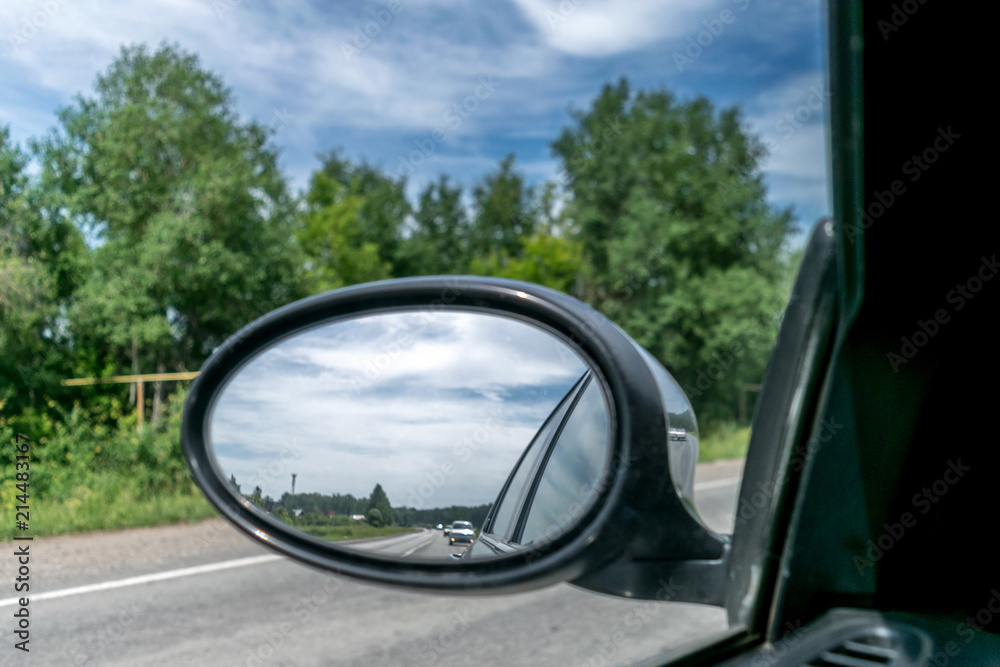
{"x": 356, "y": 532}
{"x": 724, "y": 442}
{"x": 110, "y": 503}
{"x": 87, "y": 477}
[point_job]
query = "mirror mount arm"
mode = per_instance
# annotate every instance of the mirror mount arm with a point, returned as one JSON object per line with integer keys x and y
{"x": 682, "y": 580}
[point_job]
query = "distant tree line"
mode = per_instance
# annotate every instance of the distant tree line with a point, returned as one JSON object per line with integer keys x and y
{"x": 317, "y": 506}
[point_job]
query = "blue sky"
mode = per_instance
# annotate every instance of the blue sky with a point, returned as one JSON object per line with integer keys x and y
{"x": 382, "y": 79}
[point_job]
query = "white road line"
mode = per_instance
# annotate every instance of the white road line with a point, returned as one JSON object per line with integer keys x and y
{"x": 419, "y": 546}
{"x": 716, "y": 483}
{"x": 229, "y": 564}
{"x": 145, "y": 579}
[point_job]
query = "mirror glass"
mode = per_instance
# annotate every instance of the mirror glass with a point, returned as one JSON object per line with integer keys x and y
{"x": 396, "y": 432}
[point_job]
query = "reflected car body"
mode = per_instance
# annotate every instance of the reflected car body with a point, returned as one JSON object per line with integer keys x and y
{"x": 565, "y": 464}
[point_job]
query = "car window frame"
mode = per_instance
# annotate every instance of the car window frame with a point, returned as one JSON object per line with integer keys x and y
{"x": 562, "y": 413}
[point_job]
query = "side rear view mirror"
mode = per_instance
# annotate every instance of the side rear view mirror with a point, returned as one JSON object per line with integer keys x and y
{"x": 343, "y": 429}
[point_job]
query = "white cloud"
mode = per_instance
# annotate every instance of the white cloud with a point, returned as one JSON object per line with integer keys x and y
{"x": 287, "y": 66}
{"x": 790, "y": 118}
{"x": 605, "y": 27}
{"x": 389, "y": 399}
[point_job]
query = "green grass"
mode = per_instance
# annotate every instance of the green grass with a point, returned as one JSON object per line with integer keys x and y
{"x": 89, "y": 475}
{"x": 725, "y": 441}
{"x": 110, "y": 502}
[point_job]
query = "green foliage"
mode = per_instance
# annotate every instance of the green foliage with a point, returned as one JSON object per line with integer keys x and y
{"x": 680, "y": 246}
{"x": 724, "y": 441}
{"x": 37, "y": 260}
{"x": 160, "y": 224}
{"x": 91, "y": 473}
{"x": 352, "y": 229}
{"x": 439, "y": 242}
{"x": 379, "y": 502}
{"x": 553, "y": 261}
{"x": 191, "y": 215}
{"x": 502, "y": 213}
{"x": 340, "y": 505}
{"x": 333, "y": 240}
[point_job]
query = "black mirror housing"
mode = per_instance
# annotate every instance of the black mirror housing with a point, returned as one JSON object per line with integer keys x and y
{"x": 639, "y": 519}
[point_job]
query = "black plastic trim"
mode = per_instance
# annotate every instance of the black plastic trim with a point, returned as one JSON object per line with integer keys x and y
{"x": 637, "y": 481}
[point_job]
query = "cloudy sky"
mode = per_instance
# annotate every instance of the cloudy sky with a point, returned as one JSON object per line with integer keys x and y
{"x": 382, "y": 79}
{"x": 436, "y": 407}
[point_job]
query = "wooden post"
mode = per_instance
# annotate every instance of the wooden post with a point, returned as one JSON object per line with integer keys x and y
{"x": 140, "y": 400}
{"x": 137, "y": 380}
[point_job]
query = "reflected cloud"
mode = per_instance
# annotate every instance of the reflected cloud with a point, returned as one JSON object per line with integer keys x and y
{"x": 434, "y": 406}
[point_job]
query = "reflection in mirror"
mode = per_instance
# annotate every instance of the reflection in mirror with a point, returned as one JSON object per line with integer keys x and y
{"x": 384, "y": 432}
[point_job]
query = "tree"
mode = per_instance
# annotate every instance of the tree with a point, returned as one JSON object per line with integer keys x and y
{"x": 190, "y": 216}
{"x": 553, "y": 261}
{"x": 39, "y": 258}
{"x": 503, "y": 214}
{"x": 355, "y": 222}
{"x": 379, "y": 502}
{"x": 334, "y": 241}
{"x": 439, "y": 240}
{"x": 681, "y": 246}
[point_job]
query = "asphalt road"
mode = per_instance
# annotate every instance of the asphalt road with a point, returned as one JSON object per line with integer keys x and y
{"x": 223, "y": 600}
{"x": 421, "y": 544}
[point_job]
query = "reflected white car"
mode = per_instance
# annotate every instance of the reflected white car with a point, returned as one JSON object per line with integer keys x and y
{"x": 462, "y": 532}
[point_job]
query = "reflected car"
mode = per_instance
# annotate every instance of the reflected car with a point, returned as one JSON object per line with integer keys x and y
{"x": 461, "y": 532}
{"x": 440, "y": 526}
{"x": 560, "y": 471}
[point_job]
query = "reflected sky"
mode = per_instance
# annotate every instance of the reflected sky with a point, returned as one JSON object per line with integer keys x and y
{"x": 434, "y": 406}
